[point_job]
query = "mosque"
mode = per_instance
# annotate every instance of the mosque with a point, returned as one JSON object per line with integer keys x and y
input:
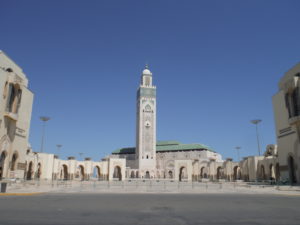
{"x": 150, "y": 159}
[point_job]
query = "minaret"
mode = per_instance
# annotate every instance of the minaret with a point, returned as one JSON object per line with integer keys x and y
{"x": 146, "y": 126}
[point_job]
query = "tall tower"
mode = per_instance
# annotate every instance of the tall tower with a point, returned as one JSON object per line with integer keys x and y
{"x": 146, "y": 126}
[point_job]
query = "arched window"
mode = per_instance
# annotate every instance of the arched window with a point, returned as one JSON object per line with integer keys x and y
{"x": 148, "y": 108}
{"x": 11, "y": 96}
{"x": 296, "y": 102}
{"x": 14, "y": 95}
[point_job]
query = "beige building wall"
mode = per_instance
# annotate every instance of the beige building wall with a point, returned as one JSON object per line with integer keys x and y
{"x": 286, "y": 106}
{"x": 15, "y": 115}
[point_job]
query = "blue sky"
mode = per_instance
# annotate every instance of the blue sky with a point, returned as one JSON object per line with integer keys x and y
{"x": 216, "y": 65}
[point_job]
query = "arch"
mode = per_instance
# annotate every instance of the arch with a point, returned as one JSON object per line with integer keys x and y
{"x": 39, "y": 171}
{"x": 262, "y": 172}
{"x": 29, "y": 171}
{"x": 170, "y": 174}
{"x": 237, "y": 173}
{"x": 220, "y": 172}
{"x": 182, "y": 173}
{"x": 2, "y": 163}
{"x": 203, "y": 173}
{"x": 147, "y": 175}
{"x": 132, "y": 174}
{"x": 14, "y": 161}
{"x": 272, "y": 172}
{"x": 117, "y": 173}
{"x": 80, "y": 172}
{"x": 137, "y": 174}
{"x": 97, "y": 172}
{"x": 14, "y": 98}
{"x": 147, "y": 108}
{"x": 64, "y": 172}
{"x": 292, "y": 170}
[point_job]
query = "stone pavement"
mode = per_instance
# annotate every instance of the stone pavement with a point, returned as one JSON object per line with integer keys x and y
{"x": 147, "y": 186}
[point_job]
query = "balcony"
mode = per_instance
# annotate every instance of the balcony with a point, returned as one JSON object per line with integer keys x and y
{"x": 12, "y": 116}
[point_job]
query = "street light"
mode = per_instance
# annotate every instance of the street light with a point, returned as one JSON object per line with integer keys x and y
{"x": 58, "y": 148}
{"x": 238, "y": 151}
{"x": 256, "y": 122}
{"x": 44, "y": 119}
{"x": 81, "y": 153}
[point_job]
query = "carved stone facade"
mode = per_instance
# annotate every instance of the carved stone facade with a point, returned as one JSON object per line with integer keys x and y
{"x": 146, "y": 126}
{"x": 286, "y": 105}
{"x": 15, "y": 113}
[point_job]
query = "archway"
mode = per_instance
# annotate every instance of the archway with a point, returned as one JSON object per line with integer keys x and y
{"x": 272, "y": 172}
{"x": 81, "y": 172}
{"x": 39, "y": 171}
{"x": 132, "y": 174}
{"x": 147, "y": 175}
{"x": 29, "y": 171}
{"x": 292, "y": 171}
{"x": 220, "y": 172}
{"x": 64, "y": 172}
{"x": 117, "y": 173}
{"x": 170, "y": 173}
{"x": 182, "y": 173}
{"x": 97, "y": 172}
{"x": 14, "y": 161}
{"x": 262, "y": 172}
{"x": 2, "y": 163}
{"x": 236, "y": 173}
{"x": 203, "y": 172}
{"x": 137, "y": 174}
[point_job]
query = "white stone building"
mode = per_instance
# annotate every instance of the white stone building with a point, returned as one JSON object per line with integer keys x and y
{"x": 151, "y": 159}
{"x": 15, "y": 113}
{"x": 17, "y": 160}
{"x": 286, "y": 106}
{"x": 160, "y": 160}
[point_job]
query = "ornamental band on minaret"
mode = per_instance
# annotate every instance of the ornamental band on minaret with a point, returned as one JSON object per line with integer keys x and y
{"x": 146, "y": 126}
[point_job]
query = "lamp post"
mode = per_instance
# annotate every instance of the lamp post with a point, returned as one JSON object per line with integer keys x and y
{"x": 256, "y": 122}
{"x": 81, "y": 154}
{"x": 58, "y": 148}
{"x": 44, "y": 119}
{"x": 238, "y": 151}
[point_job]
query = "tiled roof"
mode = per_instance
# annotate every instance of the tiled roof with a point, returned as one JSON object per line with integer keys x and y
{"x": 167, "y": 146}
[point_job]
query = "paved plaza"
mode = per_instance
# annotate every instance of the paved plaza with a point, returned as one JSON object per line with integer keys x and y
{"x": 149, "y": 186}
{"x": 158, "y": 209}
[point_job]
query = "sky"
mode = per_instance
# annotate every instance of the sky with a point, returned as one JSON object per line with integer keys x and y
{"x": 216, "y": 65}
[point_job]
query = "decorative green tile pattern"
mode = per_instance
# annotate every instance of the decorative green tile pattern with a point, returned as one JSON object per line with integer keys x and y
{"x": 147, "y": 92}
